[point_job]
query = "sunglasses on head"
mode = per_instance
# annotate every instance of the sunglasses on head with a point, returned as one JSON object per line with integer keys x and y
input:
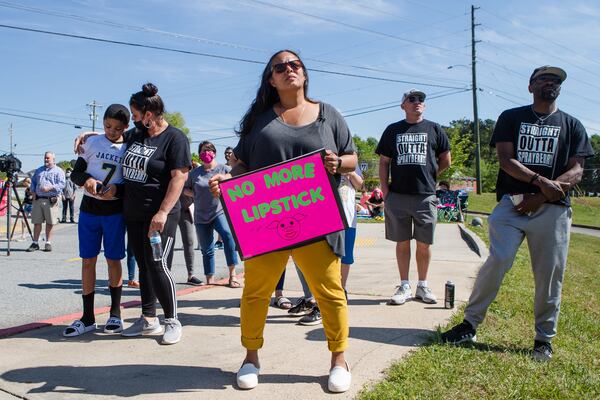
{"x": 416, "y": 99}
{"x": 279, "y": 68}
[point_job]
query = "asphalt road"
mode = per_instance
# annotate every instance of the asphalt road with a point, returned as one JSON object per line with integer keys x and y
{"x": 39, "y": 285}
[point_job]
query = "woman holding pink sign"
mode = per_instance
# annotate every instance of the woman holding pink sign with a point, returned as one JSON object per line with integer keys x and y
{"x": 283, "y": 123}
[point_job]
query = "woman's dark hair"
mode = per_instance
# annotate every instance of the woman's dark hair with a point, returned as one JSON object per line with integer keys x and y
{"x": 266, "y": 95}
{"x": 118, "y": 112}
{"x": 209, "y": 145}
{"x": 148, "y": 100}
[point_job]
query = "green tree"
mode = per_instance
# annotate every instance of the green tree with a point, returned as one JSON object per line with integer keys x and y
{"x": 176, "y": 119}
{"x": 66, "y": 164}
{"x": 591, "y": 169}
{"x": 367, "y": 158}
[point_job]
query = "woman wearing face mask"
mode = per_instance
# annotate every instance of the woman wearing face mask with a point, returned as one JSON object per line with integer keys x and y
{"x": 283, "y": 123}
{"x": 209, "y": 215}
{"x": 155, "y": 168}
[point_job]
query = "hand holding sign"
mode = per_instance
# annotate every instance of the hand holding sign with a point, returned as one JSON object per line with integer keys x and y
{"x": 213, "y": 184}
{"x": 332, "y": 162}
{"x": 282, "y": 206}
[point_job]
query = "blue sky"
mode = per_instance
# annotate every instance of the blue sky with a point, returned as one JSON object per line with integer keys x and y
{"x": 51, "y": 77}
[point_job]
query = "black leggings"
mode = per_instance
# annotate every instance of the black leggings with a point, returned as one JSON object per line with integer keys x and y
{"x": 155, "y": 276}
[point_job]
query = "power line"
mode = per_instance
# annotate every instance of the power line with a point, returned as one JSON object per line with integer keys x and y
{"x": 189, "y": 52}
{"x": 354, "y": 27}
{"x": 397, "y": 104}
{"x": 545, "y": 38}
{"x": 39, "y": 113}
{"x": 170, "y": 34}
{"x": 45, "y": 120}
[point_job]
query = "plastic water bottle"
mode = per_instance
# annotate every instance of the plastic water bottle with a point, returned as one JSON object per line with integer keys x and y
{"x": 449, "y": 295}
{"x": 156, "y": 244}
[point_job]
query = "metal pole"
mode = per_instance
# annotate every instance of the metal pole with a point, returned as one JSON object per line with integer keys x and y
{"x": 475, "y": 114}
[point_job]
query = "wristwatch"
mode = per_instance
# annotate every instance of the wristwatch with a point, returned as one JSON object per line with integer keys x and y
{"x": 339, "y": 162}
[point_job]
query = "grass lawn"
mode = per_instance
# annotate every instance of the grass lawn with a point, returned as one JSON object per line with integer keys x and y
{"x": 586, "y": 210}
{"x": 499, "y": 365}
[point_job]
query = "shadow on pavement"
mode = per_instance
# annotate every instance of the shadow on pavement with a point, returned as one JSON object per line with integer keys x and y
{"x": 397, "y": 336}
{"x": 123, "y": 380}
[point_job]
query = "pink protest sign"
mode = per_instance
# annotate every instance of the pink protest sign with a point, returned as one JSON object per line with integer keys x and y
{"x": 282, "y": 206}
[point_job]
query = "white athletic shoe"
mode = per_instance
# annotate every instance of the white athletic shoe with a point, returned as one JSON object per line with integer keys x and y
{"x": 403, "y": 293}
{"x": 425, "y": 295}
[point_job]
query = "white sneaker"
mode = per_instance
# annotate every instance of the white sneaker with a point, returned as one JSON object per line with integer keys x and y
{"x": 142, "y": 327}
{"x": 247, "y": 376}
{"x": 173, "y": 331}
{"x": 340, "y": 379}
{"x": 425, "y": 295}
{"x": 402, "y": 294}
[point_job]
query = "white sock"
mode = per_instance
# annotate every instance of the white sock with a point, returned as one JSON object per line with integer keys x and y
{"x": 422, "y": 284}
{"x": 48, "y": 242}
{"x": 405, "y": 283}
{"x": 35, "y": 242}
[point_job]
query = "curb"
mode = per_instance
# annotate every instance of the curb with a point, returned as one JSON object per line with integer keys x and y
{"x": 13, "y": 330}
{"x": 466, "y": 235}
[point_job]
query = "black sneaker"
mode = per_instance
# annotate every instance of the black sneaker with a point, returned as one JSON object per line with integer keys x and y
{"x": 461, "y": 333}
{"x": 314, "y": 318}
{"x": 542, "y": 351}
{"x": 301, "y": 308}
{"x": 194, "y": 281}
{"x": 219, "y": 245}
{"x": 33, "y": 247}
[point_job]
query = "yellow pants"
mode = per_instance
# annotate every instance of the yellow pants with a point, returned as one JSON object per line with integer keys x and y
{"x": 321, "y": 268}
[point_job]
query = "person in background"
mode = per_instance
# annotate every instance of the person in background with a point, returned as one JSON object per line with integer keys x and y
{"x": 188, "y": 231}
{"x": 375, "y": 203}
{"x": 68, "y": 198}
{"x": 412, "y": 152}
{"x": 46, "y": 186}
{"x": 536, "y": 173}
{"x": 101, "y": 221}
{"x": 155, "y": 168}
{"x": 208, "y": 214}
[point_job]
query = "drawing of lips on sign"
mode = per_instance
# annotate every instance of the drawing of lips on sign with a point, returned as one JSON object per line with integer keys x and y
{"x": 287, "y": 228}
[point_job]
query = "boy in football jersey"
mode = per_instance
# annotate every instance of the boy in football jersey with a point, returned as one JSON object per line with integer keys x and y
{"x": 98, "y": 170}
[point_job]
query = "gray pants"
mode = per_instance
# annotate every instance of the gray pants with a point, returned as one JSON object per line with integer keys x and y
{"x": 188, "y": 231}
{"x": 547, "y": 232}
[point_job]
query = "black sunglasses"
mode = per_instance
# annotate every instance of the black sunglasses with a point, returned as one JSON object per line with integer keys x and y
{"x": 549, "y": 78}
{"x": 279, "y": 68}
{"x": 416, "y": 99}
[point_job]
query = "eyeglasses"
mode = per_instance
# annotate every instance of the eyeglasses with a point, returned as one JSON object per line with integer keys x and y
{"x": 279, "y": 68}
{"x": 416, "y": 99}
{"x": 549, "y": 78}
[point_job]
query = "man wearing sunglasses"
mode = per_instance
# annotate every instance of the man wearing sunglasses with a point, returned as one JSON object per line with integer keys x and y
{"x": 413, "y": 152}
{"x": 541, "y": 151}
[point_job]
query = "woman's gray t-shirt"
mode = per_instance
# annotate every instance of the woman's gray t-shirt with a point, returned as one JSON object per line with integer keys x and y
{"x": 206, "y": 206}
{"x": 272, "y": 141}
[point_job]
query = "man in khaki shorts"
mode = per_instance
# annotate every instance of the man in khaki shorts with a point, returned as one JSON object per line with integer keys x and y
{"x": 413, "y": 152}
{"x": 46, "y": 185}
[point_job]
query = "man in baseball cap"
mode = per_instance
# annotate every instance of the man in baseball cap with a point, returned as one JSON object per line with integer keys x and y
{"x": 412, "y": 153}
{"x": 414, "y": 92}
{"x": 548, "y": 70}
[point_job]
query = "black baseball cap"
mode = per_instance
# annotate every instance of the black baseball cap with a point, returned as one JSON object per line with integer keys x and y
{"x": 548, "y": 70}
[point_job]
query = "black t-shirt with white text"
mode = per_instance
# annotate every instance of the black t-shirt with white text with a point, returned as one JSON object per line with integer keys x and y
{"x": 542, "y": 146}
{"x": 147, "y": 166}
{"x": 414, "y": 150}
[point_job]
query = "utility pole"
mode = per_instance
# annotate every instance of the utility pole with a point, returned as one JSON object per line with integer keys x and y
{"x": 475, "y": 114}
{"x": 10, "y": 135}
{"x": 93, "y": 115}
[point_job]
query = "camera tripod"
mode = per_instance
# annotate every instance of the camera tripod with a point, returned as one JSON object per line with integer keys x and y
{"x": 10, "y": 183}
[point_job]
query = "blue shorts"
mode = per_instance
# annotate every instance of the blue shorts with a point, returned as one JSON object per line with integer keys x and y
{"x": 93, "y": 228}
{"x": 350, "y": 234}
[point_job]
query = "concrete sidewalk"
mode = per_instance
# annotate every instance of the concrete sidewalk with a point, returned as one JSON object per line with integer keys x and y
{"x": 41, "y": 364}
